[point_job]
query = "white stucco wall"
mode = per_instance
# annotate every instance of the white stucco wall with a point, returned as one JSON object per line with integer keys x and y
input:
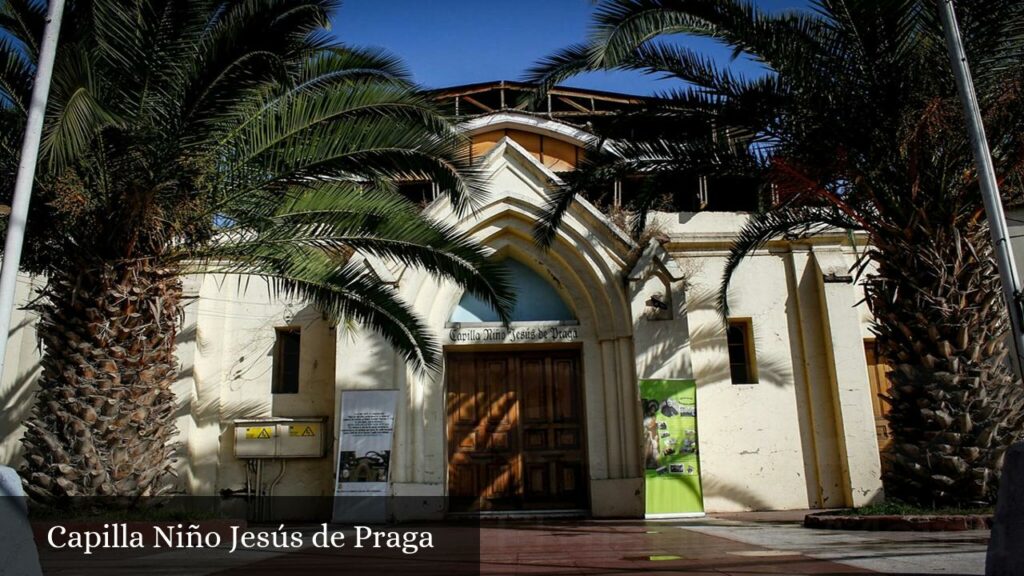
{"x": 21, "y": 368}
{"x": 231, "y": 344}
{"x": 779, "y": 443}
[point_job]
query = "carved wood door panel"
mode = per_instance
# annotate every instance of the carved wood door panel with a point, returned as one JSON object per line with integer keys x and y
{"x": 515, "y": 431}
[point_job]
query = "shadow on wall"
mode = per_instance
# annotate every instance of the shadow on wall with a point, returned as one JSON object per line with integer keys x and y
{"x": 17, "y": 405}
{"x": 182, "y": 387}
{"x": 709, "y": 338}
{"x": 315, "y": 398}
{"x": 714, "y": 487}
{"x": 241, "y": 388}
{"x": 196, "y": 454}
{"x": 814, "y": 399}
{"x": 775, "y": 367}
{"x": 661, "y": 336}
{"x": 377, "y": 365}
{"x": 203, "y": 455}
{"x": 209, "y": 379}
{"x": 186, "y": 337}
{"x": 16, "y": 398}
{"x": 664, "y": 340}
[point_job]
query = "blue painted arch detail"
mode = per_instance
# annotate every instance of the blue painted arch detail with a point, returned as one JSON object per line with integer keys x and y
{"x": 536, "y": 300}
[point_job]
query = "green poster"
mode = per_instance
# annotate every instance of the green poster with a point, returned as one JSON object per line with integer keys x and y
{"x": 671, "y": 464}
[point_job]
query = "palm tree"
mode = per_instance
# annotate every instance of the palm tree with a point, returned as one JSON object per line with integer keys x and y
{"x": 208, "y": 136}
{"x": 854, "y": 124}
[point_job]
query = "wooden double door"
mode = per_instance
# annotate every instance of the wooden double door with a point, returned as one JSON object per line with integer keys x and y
{"x": 515, "y": 431}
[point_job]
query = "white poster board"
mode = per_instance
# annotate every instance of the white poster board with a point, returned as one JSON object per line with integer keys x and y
{"x": 366, "y": 429}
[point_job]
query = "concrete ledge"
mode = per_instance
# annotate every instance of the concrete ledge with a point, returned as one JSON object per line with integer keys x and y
{"x": 417, "y": 502}
{"x": 618, "y": 498}
{"x": 938, "y": 523}
{"x": 405, "y": 489}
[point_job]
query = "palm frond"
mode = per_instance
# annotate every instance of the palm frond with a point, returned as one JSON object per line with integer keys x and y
{"x": 369, "y": 131}
{"x": 310, "y": 232}
{"x": 16, "y": 74}
{"x": 75, "y": 111}
{"x": 598, "y": 170}
{"x": 341, "y": 291}
{"x": 24, "y": 20}
{"x": 622, "y": 27}
{"x": 764, "y": 226}
{"x": 556, "y": 68}
{"x": 240, "y": 137}
{"x": 342, "y": 63}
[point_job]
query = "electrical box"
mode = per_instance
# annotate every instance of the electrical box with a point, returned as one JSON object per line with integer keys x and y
{"x": 281, "y": 437}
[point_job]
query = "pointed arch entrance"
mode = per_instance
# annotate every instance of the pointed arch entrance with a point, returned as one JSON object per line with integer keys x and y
{"x": 592, "y": 351}
{"x": 514, "y": 417}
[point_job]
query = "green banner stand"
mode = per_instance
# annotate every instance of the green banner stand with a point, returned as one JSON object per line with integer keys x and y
{"x": 671, "y": 456}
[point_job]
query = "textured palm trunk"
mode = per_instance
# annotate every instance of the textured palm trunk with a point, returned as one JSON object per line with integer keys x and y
{"x": 103, "y": 417}
{"x": 941, "y": 324}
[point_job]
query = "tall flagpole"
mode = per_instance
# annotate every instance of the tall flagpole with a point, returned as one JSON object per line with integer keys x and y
{"x": 26, "y": 173}
{"x": 987, "y": 180}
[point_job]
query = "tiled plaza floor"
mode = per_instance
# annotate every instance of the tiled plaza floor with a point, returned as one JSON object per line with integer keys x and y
{"x": 633, "y": 548}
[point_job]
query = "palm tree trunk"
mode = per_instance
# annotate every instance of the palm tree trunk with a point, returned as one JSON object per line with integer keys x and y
{"x": 103, "y": 417}
{"x": 941, "y": 324}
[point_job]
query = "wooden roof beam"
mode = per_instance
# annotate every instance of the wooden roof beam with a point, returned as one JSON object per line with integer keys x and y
{"x": 575, "y": 105}
{"x": 477, "y": 103}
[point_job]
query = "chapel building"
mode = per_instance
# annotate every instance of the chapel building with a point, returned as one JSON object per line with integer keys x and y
{"x": 548, "y": 415}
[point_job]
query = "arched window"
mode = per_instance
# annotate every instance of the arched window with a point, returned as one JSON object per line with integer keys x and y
{"x": 536, "y": 300}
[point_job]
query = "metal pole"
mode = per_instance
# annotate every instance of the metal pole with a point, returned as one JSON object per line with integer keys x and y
{"x": 987, "y": 180}
{"x": 27, "y": 173}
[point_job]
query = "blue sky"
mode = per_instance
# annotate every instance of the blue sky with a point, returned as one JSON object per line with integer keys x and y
{"x": 451, "y": 42}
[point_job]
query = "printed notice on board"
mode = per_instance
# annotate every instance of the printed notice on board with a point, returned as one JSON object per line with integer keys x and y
{"x": 364, "y": 456}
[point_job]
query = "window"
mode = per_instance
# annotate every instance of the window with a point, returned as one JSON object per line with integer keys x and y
{"x": 286, "y": 361}
{"x": 742, "y": 362}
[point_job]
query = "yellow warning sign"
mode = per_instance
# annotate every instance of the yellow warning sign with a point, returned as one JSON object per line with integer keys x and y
{"x": 259, "y": 432}
{"x": 304, "y": 430}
